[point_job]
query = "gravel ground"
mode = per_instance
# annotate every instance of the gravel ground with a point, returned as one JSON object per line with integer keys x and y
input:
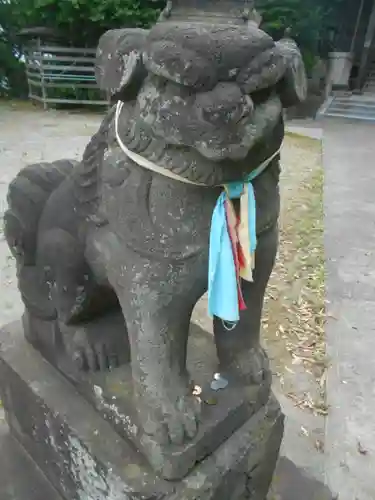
{"x": 29, "y": 135}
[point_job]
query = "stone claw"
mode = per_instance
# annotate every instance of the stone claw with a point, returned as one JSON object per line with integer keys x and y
{"x": 183, "y": 421}
{"x": 175, "y": 421}
{"x": 95, "y": 358}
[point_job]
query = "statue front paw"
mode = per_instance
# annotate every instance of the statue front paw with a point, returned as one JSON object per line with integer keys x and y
{"x": 173, "y": 419}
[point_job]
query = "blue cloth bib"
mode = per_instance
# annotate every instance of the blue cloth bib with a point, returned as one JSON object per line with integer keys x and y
{"x": 222, "y": 278}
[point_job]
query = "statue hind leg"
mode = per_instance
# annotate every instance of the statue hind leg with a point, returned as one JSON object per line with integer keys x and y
{"x": 54, "y": 292}
{"x": 239, "y": 351}
{"x": 62, "y": 265}
{"x": 74, "y": 289}
{"x": 89, "y": 324}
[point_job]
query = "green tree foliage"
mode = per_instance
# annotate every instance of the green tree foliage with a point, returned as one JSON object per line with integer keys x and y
{"x": 12, "y": 74}
{"x": 308, "y": 20}
{"x": 82, "y": 22}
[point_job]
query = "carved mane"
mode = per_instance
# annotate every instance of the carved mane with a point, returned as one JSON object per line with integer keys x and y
{"x": 87, "y": 175}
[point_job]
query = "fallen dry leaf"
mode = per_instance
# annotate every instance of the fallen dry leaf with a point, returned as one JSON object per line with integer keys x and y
{"x": 361, "y": 449}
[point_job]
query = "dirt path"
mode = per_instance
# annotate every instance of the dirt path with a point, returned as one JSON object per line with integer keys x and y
{"x": 29, "y": 135}
{"x": 294, "y": 313}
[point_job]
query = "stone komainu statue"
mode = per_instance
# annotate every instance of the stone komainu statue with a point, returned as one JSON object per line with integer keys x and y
{"x": 202, "y": 99}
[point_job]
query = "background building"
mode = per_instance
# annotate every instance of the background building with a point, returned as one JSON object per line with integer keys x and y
{"x": 353, "y": 58}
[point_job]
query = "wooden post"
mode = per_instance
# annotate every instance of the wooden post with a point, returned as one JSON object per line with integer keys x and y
{"x": 44, "y": 90}
{"x": 370, "y": 34}
{"x": 359, "y": 17}
{"x": 25, "y": 50}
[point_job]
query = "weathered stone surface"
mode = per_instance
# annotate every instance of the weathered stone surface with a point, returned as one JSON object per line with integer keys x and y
{"x": 228, "y": 11}
{"x": 20, "y": 478}
{"x": 78, "y": 451}
{"x": 263, "y": 71}
{"x": 111, "y": 393}
{"x": 109, "y": 238}
{"x": 293, "y": 87}
{"x": 225, "y": 48}
{"x": 155, "y": 256}
{"x": 84, "y": 457}
{"x": 119, "y": 68}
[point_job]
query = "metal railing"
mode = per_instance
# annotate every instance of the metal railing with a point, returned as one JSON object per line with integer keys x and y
{"x": 62, "y": 75}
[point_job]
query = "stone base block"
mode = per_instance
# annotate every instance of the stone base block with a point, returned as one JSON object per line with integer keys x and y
{"x": 86, "y": 459}
{"x": 111, "y": 392}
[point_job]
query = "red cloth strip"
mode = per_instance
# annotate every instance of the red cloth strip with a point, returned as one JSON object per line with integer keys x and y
{"x": 232, "y": 224}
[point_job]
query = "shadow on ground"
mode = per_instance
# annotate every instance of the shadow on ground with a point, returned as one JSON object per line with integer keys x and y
{"x": 291, "y": 483}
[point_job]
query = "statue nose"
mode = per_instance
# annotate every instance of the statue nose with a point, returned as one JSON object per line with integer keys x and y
{"x": 228, "y": 112}
{"x": 247, "y": 108}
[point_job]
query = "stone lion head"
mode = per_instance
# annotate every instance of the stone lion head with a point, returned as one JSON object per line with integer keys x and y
{"x": 202, "y": 100}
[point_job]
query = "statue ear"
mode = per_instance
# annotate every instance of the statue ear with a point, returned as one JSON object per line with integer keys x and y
{"x": 119, "y": 65}
{"x": 292, "y": 88}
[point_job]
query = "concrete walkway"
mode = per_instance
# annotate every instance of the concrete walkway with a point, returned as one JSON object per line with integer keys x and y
{"x": 349, "y": 160}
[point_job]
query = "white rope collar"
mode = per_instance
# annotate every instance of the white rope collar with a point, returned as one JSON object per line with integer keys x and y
{"x": 144, "y": 162}
{"x": 149, "y": 165}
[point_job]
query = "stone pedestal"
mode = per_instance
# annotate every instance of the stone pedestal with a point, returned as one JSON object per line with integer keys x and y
{"x": 85, "y": 456}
